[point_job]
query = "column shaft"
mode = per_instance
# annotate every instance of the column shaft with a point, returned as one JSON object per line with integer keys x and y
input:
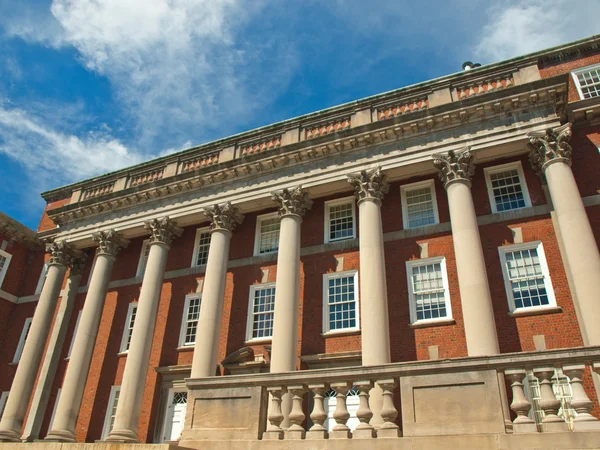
{"x": 22, "y": 386}
{"x": 211, "y": 309}
{"x": 373, "y": 285}
{"x": 284, "y": 351}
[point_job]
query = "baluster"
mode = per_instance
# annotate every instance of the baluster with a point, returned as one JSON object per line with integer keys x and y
{"x": 549, "y": 403}
{"x": 520, "y": 405}
{"x": 490, "y": 86}
{"x": 297, "y": 416}
{"x": 509, "y": 81}
{"x": 341, "y": 414}
{"x": 275, "y": 416}
{"x": 364, "y": 413}
{"x": 480, "y": 87}
{"x": 318, "y": 414}
{"x": 471, "y": 91}
{"x": 462, "y": 93}
{"x": 581, "y": 403}
{"x": 388, "y": 410}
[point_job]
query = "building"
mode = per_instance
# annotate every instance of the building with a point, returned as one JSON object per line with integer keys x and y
{"x": 410, "y": 264}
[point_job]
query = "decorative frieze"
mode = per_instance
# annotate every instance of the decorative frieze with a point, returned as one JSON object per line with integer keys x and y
{"x": 61, "y": 253}
{"x": 455, "y": 166}
{"x": 404, "y": 107}
{"x": 97, "y": 191}
{"x": 223, "y": 217}
{"x": 200, "y": 162}
{"x": 484, "y": 86}
{"x": 550, "y": 146}
{"x": 292, "y": 201}
{"x": 146, "y": 177}
{"x": 109, "y": 242}
{"x": 261, "y": 146}
{"x": 326, "y": 128}
{"x": 163, "y": 230}
{"x": 369, "y": 184}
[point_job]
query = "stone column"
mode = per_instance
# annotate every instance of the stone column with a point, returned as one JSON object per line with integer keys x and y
{"x": 293, "y": 203}
{"x": 455, "y": 171}
{"x": 551, "y": 155}
{"x": 370, "y": 188}
{"x": 162, "y": 232}
{"x": 223, "y": 220}
{"x": 33, "y": 351}
{"x": 65, "y": 418}
{"x": 54, "y": 350}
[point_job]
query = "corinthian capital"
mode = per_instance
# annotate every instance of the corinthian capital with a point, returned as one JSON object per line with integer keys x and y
{"x": 223, "y": 217}
{"x": 550, "y": 146}
{"x": 454, "y": 166}
{"x": 109, "y": 242}
{"x": 162, "y": 230}
{"x": 369, "y": 184}
{"x": 61, "y": 253}
{"x": 292, "y": 201}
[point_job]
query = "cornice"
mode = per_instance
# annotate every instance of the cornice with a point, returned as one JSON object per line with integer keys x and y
{"x": 421, "y": 124}
{"x": 19, "y": 233}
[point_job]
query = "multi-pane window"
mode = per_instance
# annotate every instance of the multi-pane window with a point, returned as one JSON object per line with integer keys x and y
{"x": 587, "y": 81}
{"x": 111, "y": 411}
{"x": 419, "y": 206}
{"x": 340, "y": 301}
{"x": 428, "y": 290}
{"x": 4, "y": 261}
{"x": 143, "y": 258}
{"x": 261, "y": 309}
{"x": 201, "y": 246}
{"x": 506, "y": 187}
{"x": 189, "y": 324}
{"x": 339, "y": 223}
{"x": 526, "y": 276}
{"x": 42, "y": 279}
{"x": 128, "y": 331}
{"x": 22, "y": 339}
{"x": 267, "y": 234}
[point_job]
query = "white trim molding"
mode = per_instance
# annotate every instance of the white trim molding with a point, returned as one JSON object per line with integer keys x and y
{"x": 204, "y": 246}
{"x": 266, "y": 309}
{"x": 489, "y": 171}
{"x": 111, "y": 411}
{"x": 593, "y": 88}
{"x": 259, "y": 235}
{"x": 143, "y": 261}
{"x": 5, "y": 261}
{"x": 327, "y": 222}
{"x": 344, "y": 294}
{"x": 22, "y": 339}
{"x": 430, "y": 287}
{"x": 407, "y": 188}
{"x": 128, "y": 328}
{"x": 190, "y": 319}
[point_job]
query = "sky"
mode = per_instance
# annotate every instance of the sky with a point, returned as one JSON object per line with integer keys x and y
{"x": 92, "y": 86}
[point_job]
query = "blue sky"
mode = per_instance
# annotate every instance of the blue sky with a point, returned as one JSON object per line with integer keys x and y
{"x": 91, "y": 86}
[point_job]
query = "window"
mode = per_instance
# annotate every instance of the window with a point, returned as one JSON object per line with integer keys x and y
{"x": 189, "y": 324}
{"x": 340, "y": 219}
{"x": 201, "y": 245}
{"x": 587, "y": 81}
{"x": 3, "y": 399}
{"x": 22, "y": 340}
{"x": 4, "y": 262}
{"x": 111, "y": 411}
{"x": 428, "y": 290}
{"x": 419, "y": 205}
{"x": 74, "y": 333}
{"x": 128, "y": 331}
{"x": 260, "y": 311}
{"x": 340, "y": 301}
{"x": 143, "y": 258}
{"x": 42, "y": 279}
{"x": 526, "y": 277}
{"x": 267, "y": 234}
{"x": 507, "y": 189}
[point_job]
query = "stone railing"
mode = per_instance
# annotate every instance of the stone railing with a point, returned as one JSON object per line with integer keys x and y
{"x": 453, "y": 397}
{"x": 325, "y": 128}
{"x": 400, "y": 108}
{"x": 260, "y": 146}
{"x": 484, "y": 85}
{"x": 96, "y": 191}
{"x": 146, "y": 177}
{"x": 200, "y": 162}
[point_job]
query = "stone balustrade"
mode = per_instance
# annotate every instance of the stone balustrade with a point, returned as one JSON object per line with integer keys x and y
{"x": 405, "y": 107}
{"x": 97, "y": 191}
{"x": 484, "y": 85}
{"x": 451, "y": 397}
{"x": 148, "y": 176}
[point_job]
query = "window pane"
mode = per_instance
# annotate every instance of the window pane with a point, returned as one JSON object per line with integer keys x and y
{"x": 269, "y": 236}
{"x": 130, "y": 324}
{"x": 191, "y": 326}
{"x": 341, "y": 303}
{"x": 419, "y": 207}
{"x": 589, "y": 83}
{"x": 428, "y": 291}
{"x": 262, "y": 312}
{"x": 526, "y": 278}
{"x": 203, "y": 245}
{"x": 341, "y": 222}
{"x": 507, "y": 190}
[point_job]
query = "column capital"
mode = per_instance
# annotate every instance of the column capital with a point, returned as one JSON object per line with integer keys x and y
{"x": 109, "y": 242}
{"x": 163, "y": 230}
{"x": 292, "y": 201}
{"x": 369, "y": 184}
{"x": 455, "y": 166}
{"x": 223, "y": 217}
{"x": 61, "y": 253}
{"x": 78, "y": 264}
{"x": 550, "y": 146}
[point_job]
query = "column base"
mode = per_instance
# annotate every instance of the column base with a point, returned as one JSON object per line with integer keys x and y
{"x": 555, "y": 427}
{"x": 295, "y": 434}
{"x": 384, "y": 432}
{"x": 525, "y": 427}
{"x": 273, "y": 435}
{"x": 339, "y": 434}
{"x": 364, "y": 433}
{"x": 123, "y": 436}
{"x": 60, "y": 436}
{"x": 587, "y": 425}
{"x": 9, "y": 436}
{"x": 317, "y": 434}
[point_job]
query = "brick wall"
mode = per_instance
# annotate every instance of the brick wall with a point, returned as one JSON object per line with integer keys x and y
{"x": 567, "y": 65}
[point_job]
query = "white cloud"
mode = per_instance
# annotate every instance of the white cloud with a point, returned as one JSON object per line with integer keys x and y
{"x": 520, "y": 27}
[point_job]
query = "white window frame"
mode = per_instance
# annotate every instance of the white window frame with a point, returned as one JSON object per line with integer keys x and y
{"x": 327, "y": 221}
{"x": 418, "y": 185}
{"x": 3, "y": 399}
{"x": 488, "y": 171}
{"x": 411, "y": 294}
{"x": 22, "y": 339}
{"x": 4, "y": 270}
{"x": 74, "y": 333}
{"x": 199, "y": 232}
{"x": 545, "y": 272}
{"x": 250, "y": 318}
{"x": 143, "y": 261}
{"x": 184, "y": 321}
{"x": 42, "y": 279}
{"x": 106, "y": 429}
{"x": 126, "y": 328}
{"x": 326, "y": 278}
{"x": 257, "y": 235}
{"x": 574, "y": 74}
